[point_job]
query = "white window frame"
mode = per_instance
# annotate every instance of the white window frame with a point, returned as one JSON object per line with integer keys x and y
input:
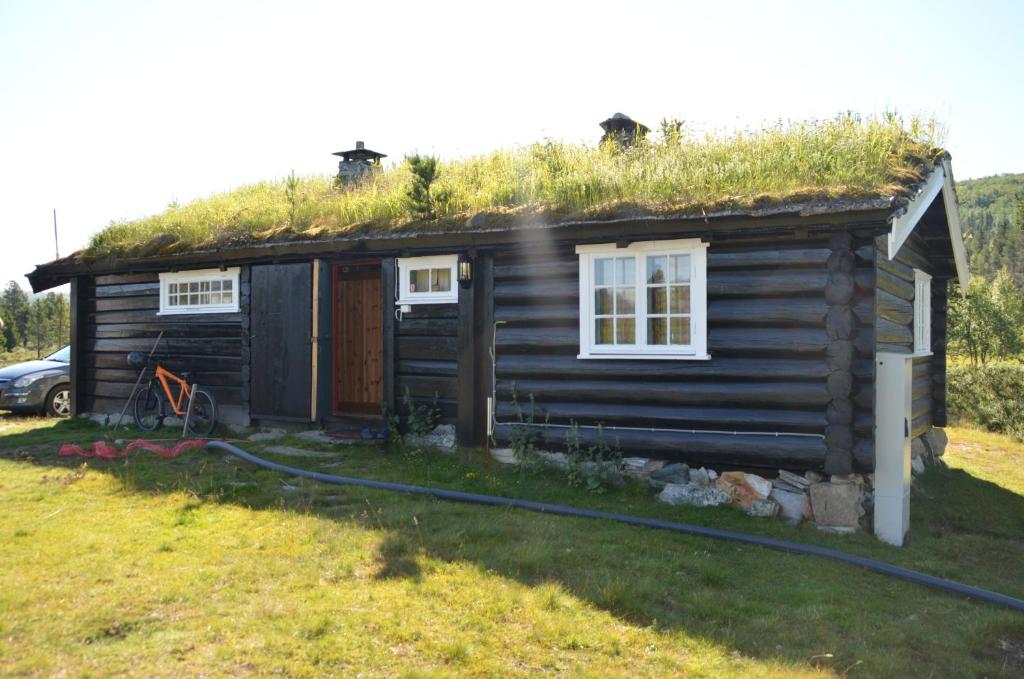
{"x": 196, "y": 276}
{"x": 696, "y": 350}
{"x": 406, "y": 265}
{"x": 922, "y": 313}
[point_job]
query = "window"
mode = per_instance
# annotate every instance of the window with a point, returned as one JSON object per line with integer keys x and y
{"x": 647, "y": 300}
{"x": 205, "y": 291}
{"x": 427, "y": 280}
{"x": 922, "y": 312}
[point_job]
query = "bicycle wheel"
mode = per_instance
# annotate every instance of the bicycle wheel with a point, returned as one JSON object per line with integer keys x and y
{"x": 148, "y": 408}
{"x": 203, "y": 416}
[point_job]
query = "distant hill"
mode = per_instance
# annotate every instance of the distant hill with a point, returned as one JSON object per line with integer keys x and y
{"x": 992, "y": 212}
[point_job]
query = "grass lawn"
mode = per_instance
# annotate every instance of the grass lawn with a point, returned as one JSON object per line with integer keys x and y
{"x": 207, "y": 565}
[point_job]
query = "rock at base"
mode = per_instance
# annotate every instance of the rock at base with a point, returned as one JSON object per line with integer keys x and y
{"x": 763, "y": 509}
{"x": 917, "y": 465}
{"x": 936, "y": 440}
{"x": 606, "y": 470}
{"x": 917, "y": 449}
{"x": 744, "y": 488}
{"x": 441, "y": 437}
{"x": 836, "y": 505}
{"x": 693, "y": 495}
{"x": 640, "y": 467}
{"x": 702, "y": 476}
{"x": 504, "y": 455}
{"x": 676, "y": 472}
{"x": 793, "y": 507}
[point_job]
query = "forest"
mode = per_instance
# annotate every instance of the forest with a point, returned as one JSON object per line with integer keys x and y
{"x": 32, "y": 326}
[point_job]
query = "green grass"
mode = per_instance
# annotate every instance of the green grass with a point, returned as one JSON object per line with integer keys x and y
{"x": 205, "y": 565}
{"x": 22, "y": 354}
{"x": 845, "y": 157}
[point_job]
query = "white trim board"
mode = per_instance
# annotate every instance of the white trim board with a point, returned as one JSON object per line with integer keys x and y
{"x": 939, "y": 181}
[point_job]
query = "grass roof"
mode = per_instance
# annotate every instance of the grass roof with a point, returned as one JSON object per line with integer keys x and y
{"x": 673, "y": 171}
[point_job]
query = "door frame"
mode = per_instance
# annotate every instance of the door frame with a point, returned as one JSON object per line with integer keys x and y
{"x": 387, "y": 335}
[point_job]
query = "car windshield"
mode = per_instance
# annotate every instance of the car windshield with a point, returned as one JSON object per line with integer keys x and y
{"x": 62, "y": 356}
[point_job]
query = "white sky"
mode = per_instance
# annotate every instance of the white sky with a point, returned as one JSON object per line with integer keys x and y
{"x": 111, "y": 110}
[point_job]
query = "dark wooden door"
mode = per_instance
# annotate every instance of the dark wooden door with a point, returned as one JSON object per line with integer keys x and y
{"x": 280, "y": 327}
{"x": 358, "y": 340}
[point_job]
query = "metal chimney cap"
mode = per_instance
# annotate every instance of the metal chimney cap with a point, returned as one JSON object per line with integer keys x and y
{"x": 360, "y": 152}
{"x": 620, "y": 122}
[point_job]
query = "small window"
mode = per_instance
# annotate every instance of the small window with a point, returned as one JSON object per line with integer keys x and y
{"x": 427, "y": 280}
{"x": 647, "y": 300}
{"x": 204, "y": 291}
{"x": 922, "y": 312}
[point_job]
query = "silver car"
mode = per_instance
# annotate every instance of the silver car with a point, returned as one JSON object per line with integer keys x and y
{"x": 38, "y": 386}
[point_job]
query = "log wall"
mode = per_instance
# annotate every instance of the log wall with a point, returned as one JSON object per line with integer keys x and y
{"x": 426, "y": 357}
{"x": 790, "y": 332}
{"x": 119, "y": 315}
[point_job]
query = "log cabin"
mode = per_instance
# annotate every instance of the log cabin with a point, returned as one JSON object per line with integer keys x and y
{"x": 721, "y": 334}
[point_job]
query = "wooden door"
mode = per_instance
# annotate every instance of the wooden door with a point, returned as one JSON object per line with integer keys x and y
{"x": 358, "y": 340}
{"x": 280, "y": 323}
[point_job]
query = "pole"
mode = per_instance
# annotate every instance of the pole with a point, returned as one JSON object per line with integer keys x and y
{"x": 56, "y": 246}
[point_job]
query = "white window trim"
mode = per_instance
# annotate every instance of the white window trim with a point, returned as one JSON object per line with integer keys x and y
{"x": 408, "y": 264}
{"x": 922, "y": 313}
{"x": 697, "y": 351}
{"x": 195, "y": 276}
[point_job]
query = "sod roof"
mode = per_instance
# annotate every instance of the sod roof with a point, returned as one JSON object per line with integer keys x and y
{"x": 838, "y": 164}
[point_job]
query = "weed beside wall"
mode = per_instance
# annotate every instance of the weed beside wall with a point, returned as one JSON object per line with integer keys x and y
{"x": 989, "y": 395}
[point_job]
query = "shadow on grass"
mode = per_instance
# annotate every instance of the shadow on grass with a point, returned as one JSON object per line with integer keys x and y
{"x": 761, "y": 603}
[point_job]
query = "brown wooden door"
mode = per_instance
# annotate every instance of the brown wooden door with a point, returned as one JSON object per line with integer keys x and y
{"x": 358, "y": 365}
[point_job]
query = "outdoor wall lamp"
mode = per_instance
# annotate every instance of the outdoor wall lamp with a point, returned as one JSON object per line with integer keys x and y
{"x": 465, "y": 270}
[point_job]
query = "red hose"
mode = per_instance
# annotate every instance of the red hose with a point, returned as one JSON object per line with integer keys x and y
{"x": 105, "y": 451}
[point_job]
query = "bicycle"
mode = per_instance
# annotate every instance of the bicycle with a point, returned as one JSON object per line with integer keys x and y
{"x": 194, "y": 405}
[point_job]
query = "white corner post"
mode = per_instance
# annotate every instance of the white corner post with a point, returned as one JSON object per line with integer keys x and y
{"x": 893, "y": 381}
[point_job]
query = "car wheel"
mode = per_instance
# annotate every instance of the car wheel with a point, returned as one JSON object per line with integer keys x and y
{"x": 58, "y": 401}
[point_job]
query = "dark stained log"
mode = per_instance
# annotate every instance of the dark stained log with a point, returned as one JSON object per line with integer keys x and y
{"x": 694, "y": 417}
{"x": 767, "y": 258}
{"x": 864, "y": 341}
{"x": 76, "y": 368}
{"x": 921, "y": 387}
{"x": 865, "y": 254}
{"x": 891, "y": 333}
{"x": 921, "y": 407}
{"x": 511, "y": 366}
{"x": 914, "y": 254}
{"x": 119, "y": 360}
{"x": 427, "y": 347}
{"x": 149, "y": 303}
{"x": 122, "y": 390}
{"x": 896, "y": 286}
{"x": 387, "y": 330}
{"x": 532, "y": 291}
{"x": 840, "y": 411}
{"x": 785, "y": 311}
{"x": 428, "y": 327}
{"x": 863, "y": 370}
{"x": 839, "y": 437}
{"x": 128, "y": 290}
{"x": 772, "y": 395}
{"x": 864, "y": 280}
{"x": 173, "y": 346}
{"x": 444, "y": 387}
{"x": 840, "y": 240}
{"x": 765, "y": 283}
{"x": 839, "y": 323}
{"x": 894, "y": 309}
{"x": 202, "y": 331}
{"x": 128, "y": 376}
{"x": 782, "y": 340}
{"x": 427, "y": 368}
{"x": 894, "y": 348}
{"x": 483, "y": 341}
{"x": 864, "y": 424}
{"x": 839, "y": 355}
{"x": 864, "y": 455}
{"x": 150, "y": 317}
{"x": 543, "y": 270}
{"x": 896, "y": 268}
{"x": 537, "y": 339}
{"x": 864, "y": 396}
{"x": 799, "y": 452}
{"x": 920, "y": 425}
{"x": 433, "y": 311}
{"x": 840, "y": 384}
{"x": 864, "y": 309}
{"x": 538, "y": 315}
{"x": 841, "y": 261}
{"x": 121, "y": 279}
{"x": 445, "y": 406}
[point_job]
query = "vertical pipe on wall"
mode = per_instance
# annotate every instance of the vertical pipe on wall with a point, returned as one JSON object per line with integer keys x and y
{"x": 314, "y": 342}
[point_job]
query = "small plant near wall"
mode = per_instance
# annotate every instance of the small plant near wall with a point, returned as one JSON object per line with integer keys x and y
{"x": 594, "y": 467}
{"x": 420, "y": 420}
{"x": 524, "y": 437}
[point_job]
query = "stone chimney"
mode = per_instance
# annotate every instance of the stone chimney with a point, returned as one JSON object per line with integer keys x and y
{"x": 357, "y": 163}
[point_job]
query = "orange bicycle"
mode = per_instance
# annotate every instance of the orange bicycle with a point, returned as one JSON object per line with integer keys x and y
{"x": 194, "y": 405}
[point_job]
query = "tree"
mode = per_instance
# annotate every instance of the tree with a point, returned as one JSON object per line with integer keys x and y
{"x": 987, "y": 323}
{"x": 40, "y": 326}
{"x": 14, "y": 302}
{"x": 419, "y": 193}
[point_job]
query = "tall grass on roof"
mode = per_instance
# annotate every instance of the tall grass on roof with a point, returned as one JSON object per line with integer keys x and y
{"x": 673, "y": 171}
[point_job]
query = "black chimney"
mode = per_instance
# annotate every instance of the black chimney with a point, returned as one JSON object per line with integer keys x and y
{"x": 623, "y": 130}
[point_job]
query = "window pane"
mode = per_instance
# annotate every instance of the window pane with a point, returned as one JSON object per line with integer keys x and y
{"x": 656, "y": 303}
{"x": 603, "y": 302}
{"x": 193, "y": 287}
{"x": 656, "y": 269}
{"x": 419, "y": 280}
{"x": 214, "y": 286}
{"x": 625, "y": 271}
{"x": 204, "y": 298}
{"x": 204, "y": 286}
{"x": 172, "y": 288}
{"x": 627, "y": 331}
{"x": 680, "y": 268}
{"x": 680, "y": 299}
{"x": 605, "y": 331}
{"x": 442, "y": 280}
{"x": 215, "y": 298}
{"x": 681, "y": 330}
{"x": 625, "y": 301}
{"x": 657, "y": 331}
{"x": 193, "y": 299}
{"x": 603, "y": 271}
{"x": 226, "y": 285}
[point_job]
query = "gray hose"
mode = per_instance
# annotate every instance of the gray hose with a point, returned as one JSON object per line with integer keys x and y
{"x": 689, "y": 529}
